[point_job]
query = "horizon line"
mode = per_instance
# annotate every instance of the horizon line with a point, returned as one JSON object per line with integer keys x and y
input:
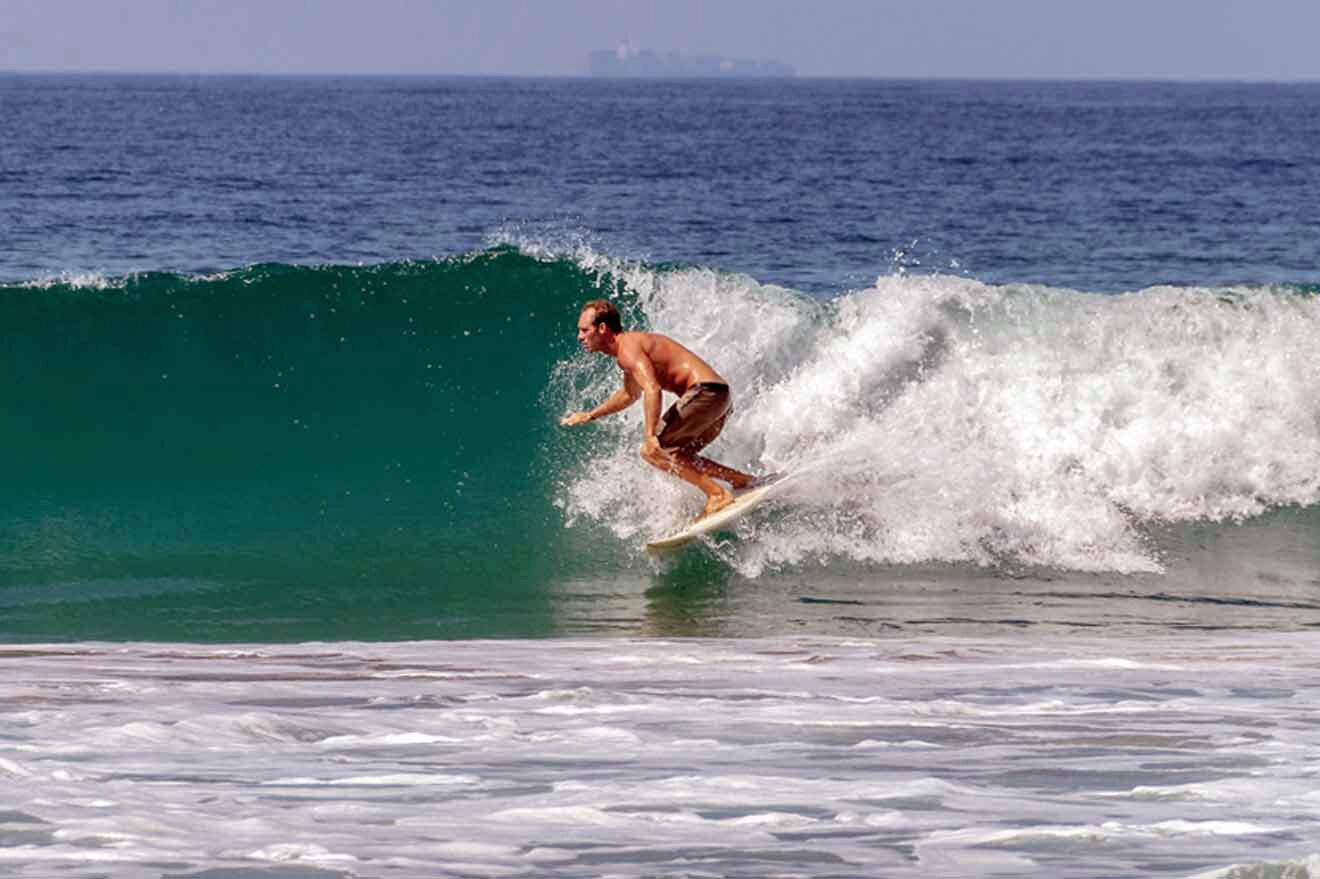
{"x": 257, "y": 74}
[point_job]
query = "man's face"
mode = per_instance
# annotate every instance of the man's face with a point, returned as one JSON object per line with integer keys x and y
{"x": 590, "y": 333}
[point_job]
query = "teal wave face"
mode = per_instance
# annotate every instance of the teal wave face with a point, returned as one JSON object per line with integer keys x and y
{"x": 282, "y": 451}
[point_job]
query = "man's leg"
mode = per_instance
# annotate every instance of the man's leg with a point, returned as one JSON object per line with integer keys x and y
{"x": 736, "y": 478}
{"x": 685, "y": 467}
{"x": 682, "y": 460}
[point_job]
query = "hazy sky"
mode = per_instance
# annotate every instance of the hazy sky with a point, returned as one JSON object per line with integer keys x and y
{"x": 1086, "y": 39}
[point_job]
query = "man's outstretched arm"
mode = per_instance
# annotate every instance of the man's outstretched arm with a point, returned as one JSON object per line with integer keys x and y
{"x": 617, "y": 402}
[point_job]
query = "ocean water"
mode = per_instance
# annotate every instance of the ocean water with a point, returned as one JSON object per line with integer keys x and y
{"x": 299, "y": 575}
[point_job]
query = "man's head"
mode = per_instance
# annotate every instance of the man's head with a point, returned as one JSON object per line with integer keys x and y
{"x": 598, "y": 324}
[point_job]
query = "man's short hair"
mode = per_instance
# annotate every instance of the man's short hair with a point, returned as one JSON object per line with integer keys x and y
{"x": 604, "y": 312}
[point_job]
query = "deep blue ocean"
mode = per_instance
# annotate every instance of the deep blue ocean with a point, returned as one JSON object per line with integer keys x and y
{"x": 301, "y": 577}
{"x": 816, "y": 185}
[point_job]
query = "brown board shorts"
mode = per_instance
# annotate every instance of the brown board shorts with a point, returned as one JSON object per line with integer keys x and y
{"x": 697, "y": 418}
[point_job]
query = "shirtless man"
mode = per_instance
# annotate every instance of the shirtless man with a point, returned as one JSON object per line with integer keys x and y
{"x": 653, "y": 363}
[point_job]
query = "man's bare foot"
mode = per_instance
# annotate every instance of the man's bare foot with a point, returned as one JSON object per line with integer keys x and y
{"x": 715, "y": 504}
{"x": 761, "y": 481}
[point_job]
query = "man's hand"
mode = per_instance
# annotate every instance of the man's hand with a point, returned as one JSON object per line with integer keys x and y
{"x": 575, "y": 419}
{"x": 651, "y": 445}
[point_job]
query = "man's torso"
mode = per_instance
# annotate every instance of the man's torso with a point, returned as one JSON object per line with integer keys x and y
{"x": 676, "y": 368}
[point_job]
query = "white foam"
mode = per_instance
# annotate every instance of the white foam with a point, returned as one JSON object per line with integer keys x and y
{"x": 298, "y": 852}
{"x": 1227, "y": 791}
{"x": 699, "y": 771}
{"x": 386, "y": 740}
{"x": 1212, "y": 828}
{"x": 1302, "y": 868}
{"x": 907, "y": 743}
{"x": 395, "y": 779}
{"x": 1104, "y": 663}
{"x": 945, "y": 419}
{"x": 75, "y": 280}
{"x": 1107, "y": 831}
{"x": 14, "y": 770}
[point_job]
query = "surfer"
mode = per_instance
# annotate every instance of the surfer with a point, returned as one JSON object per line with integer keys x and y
{"x": 653, "y": 363}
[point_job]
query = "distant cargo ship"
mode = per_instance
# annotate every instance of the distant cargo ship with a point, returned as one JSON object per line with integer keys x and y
{"x": 627, "y": 61}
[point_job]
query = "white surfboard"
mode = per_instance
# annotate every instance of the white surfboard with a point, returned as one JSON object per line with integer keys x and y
{"x": 747, "y": 500}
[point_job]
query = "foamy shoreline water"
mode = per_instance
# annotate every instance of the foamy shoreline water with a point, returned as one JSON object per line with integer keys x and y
{"x": 779, "y": 756}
